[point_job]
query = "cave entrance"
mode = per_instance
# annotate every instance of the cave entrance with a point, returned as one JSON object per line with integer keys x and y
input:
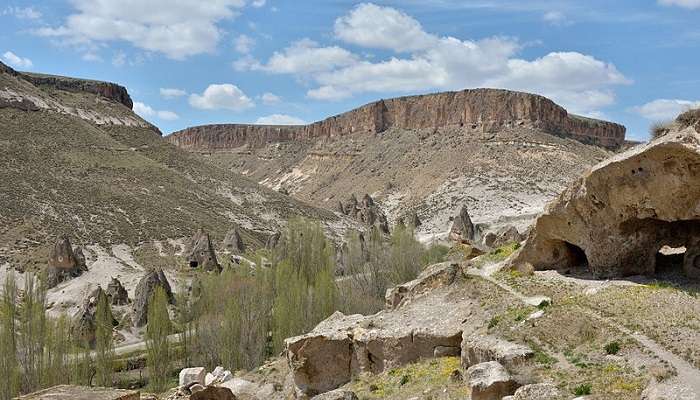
{"x": 194, "y": 264}
{"x": 669, "y": 259}
{"x": 576, "y": 255}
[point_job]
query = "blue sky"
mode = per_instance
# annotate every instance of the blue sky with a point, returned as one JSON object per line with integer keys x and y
{"x": 190, "y": 62}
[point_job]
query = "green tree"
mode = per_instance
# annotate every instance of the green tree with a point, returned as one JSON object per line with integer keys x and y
{"x": 104, "y": 345}
{"x": 9, "y": 364}
{"x": 58, "y": 351}
{"x": 32, "y": 332}
{"x": 158, "y": 348}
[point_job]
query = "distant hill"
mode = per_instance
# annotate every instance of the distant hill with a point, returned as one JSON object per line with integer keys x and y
{"x": 503, "y": 153}
{"x": 76, "y": 159}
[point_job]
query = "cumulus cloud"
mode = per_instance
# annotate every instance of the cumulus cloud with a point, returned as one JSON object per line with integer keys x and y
{"x": 691, "y": 4}
{"x": 664, "y": 109}
{"x": 270, "y": 98}
{"x": 16, "y": 61}
{"x": 22, "y": 12}
{"x": 372, "y": 26}
{"x": 221, "y": 96}
{"x": 243, "y": 44}
{"x": 171, "y": 93}
{"x": 306, "y": 57}
{"x": 147, "y": 112}
{"x": 177, "y": 29}
{"x": 258, "y": 3}
{"x": 557, "y": 18}
{"x": 426, "y": 61}
{"x": 280, "y": 119}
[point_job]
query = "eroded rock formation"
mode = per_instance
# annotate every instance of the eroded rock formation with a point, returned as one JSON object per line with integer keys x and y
{"x": 117, "y": 294}
{"x": 201, "y": 253}
{"x": 619, "y": 215}
{"x": 64, "y": 262}
{"x": 85, "y": 320}
{"x": 463, "y": 230}
{"x": 233, "y": 241}
{"x": 366, "y": 212}
{"x": 478, "y": 110}
{"x": 144, "y": 290}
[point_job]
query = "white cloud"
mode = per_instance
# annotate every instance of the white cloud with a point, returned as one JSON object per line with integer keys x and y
{"x": 119, "y": 59}
{"x": 270, "y": 98}
{"x": 22, "y": 12}
{"x": 16, "y": 61}
{"x": 221, "y": 96}
{"x": 579, "y": 82}
{"x": 146, "y": 112}
{"x": 91, "y": 56}
{"x": 280, "y": 119}
{"x": 258, "y": 3}
{"x": 171, "y": 93}
{"x": 177, "y": 29}
{"x": 243, "y": 44}
{"x": 664, "y": 109}
{"x": 557, "y": 18}
{"x": 306, "y": 57}
{"x": 691, "y": 4}
{"x": 371, "y": 26}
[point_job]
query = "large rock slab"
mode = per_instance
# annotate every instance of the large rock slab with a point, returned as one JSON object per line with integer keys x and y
{"x": 538, "y": 391}
{"x": 617, "y": 217}
{"x": 478, "y": 349}
{"x": 342, "y": 347}
{"x": 191, "y": 375}
{"x": 489, "y": 381}
{"x": 434, "y": 276}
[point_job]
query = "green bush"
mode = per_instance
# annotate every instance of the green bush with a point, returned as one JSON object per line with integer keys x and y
{"x": 612, "y": 347}
{"x": 582, "y": 389}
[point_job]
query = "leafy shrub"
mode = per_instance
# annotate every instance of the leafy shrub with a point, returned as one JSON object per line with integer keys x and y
{"x": 612, "y": 347}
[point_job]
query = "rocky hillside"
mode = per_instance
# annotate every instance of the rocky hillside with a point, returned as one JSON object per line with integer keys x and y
{"x": 504, "y": 154}
{"x": 77, "y": 160}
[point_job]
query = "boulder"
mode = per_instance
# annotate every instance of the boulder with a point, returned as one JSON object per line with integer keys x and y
{"x": 144, "y": 290}
{"x": 345, "y": 346}
{"x": 117, "y": 294}
{"x": 233, "y": 241}
{"x": 243, "y": 388}
{"x": 63, "y": 262}
{"x": 489, "y": 381}
{"x": 213, "y": 393}
{"x": 478, "y": 349}
{"x": 201, "y": 253}
{"x": 218, "y": 375}
{"x": 190, "y": 375}
{"x": 502, "y": 236}
{"x": 538, "y": 391}
{"x": 338, "y": 394}
{"x": 463, "y": 229}
{"x": 618, "y": 215}
{"x": 434, "y": 276}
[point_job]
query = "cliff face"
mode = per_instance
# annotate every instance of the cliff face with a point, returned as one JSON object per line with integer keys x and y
{"x": 105, "y": 89}
{"x": 478, "y": 110}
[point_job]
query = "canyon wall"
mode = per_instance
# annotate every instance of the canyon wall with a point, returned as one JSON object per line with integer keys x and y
{"x": 485, "y": 110}
{"x": 108, "y": 90}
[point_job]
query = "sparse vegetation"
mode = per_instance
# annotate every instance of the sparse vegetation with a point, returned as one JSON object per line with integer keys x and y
{"x": 612, "y": 347}
{"x": 582, "y": 389}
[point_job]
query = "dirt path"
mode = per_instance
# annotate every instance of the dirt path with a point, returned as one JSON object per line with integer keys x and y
{"x": 684, "y": 386}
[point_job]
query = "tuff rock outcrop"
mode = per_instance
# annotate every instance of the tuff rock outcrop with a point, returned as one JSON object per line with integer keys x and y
{"x": 463, "y": 230}
{"x": 477, "y": 110}
{"x": 617, "y": 217}
{"x": 233, "y": 241}
{"x": 344, "y": 346}
{"x": 201, "y": 253}
{"x": 366, "y": 212}
{"x": 502, "y": 236}
{"x": 477, "y": 349}
{"x": 64, "y": 263}
{"x": 144, "y": 290}
{"x": 537, "y": 391}
{"x": 338, "y": 394}
{"x": 117, "y": 294}
{"x": 85, "y": 320}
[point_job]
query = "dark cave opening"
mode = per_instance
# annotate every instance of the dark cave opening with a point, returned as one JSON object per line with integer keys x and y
{"x": 194, "y": 264}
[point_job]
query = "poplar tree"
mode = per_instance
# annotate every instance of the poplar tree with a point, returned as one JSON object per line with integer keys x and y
{"x": 158, "y": 348}
{"x": 9, "y": 364}
{"x": 104, "y": 345}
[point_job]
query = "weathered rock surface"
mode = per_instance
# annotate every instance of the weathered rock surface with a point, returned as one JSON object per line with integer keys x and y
{"x": 434, "y": 276}
{"x": 366, "y": 212}
{"x": 63, "y": 262}
{"x": 107, "y": 90}
{"x": 619, "y": 215}
{"x": 502, "y": 236}
{"x": 116, "y": 293}
{"x": 188, "y": 376}
{"x": 342, "y": 347}
{"x": 538, "y": 391}
{"x": 245, "y": 389}
{"x": 338, "y": 394}
{"x": 201, "y": 253}
{"x": 144, "y": 290}
{"x": 463, "y": 230}
{"x": 477, "y": 349}
{"x": 213, "y": 393}
{"x": 482, "y": 110}
{"x": 233, "y": 241}
{"x": 489, "y": 381}
{"x": 84, "y": 326}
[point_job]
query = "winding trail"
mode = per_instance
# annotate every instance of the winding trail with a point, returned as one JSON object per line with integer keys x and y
{"x": 684, "y": 386}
